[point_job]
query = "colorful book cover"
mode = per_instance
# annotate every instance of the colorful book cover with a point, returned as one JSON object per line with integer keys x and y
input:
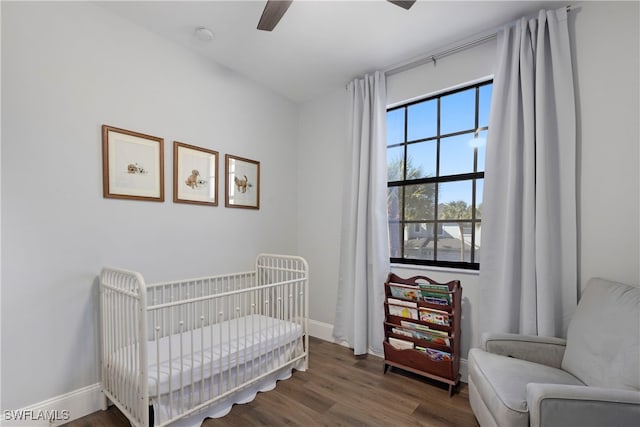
{"x": 435, "y": 287}
{"x": 426, "y": 336}
{"x": 424, "y": 328}
{"x": 404, "y": 291}
{"x": 434, "y": 316}
{"x": 437, "y": 300}
{"x": 433, "y": 338}
{"x": 436, "y": 355}
{"x": 410, "y": 313}
{"x": 434, "y": 295}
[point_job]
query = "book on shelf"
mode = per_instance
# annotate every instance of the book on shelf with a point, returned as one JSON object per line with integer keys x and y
{"x": 400, "y": 344}
{"x": 434, "y": 297}
{"x": 402, "y": 311}
{"x": 438, "y": 317}
{"x": 434, "y": 287}
{"x": 396, "y": 301}
{"x": 422, "y": 335}
{"x": 405, "y": 332}
{"x": 404, "y": 291}
{"x": 434, "y": 354}
{"x": 435, "y": 293}
{"x": 424, "y": 328}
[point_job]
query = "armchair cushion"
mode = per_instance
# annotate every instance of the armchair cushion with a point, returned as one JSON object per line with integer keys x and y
{"x": 603, "y": 339}
{"x": 502, "y": 382}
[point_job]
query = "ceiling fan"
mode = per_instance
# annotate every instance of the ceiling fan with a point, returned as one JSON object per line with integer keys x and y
{"x": 275, "y": 9}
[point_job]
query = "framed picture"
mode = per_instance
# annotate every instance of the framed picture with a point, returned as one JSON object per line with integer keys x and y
{"x": 132, "y": 165}
{"x": 195, "y": 175}
{"x": 242, "y": 184}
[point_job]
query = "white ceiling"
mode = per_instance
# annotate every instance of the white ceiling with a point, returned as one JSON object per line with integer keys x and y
{"x": 320, "y": 45}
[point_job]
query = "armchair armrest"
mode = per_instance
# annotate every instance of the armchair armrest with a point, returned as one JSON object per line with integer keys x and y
{"x": 559, "y": 405}
{"x": 545, "y": 350}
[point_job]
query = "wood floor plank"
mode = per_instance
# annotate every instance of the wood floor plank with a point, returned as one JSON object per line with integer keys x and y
{"x": 338, "y": 389}
{"x": 359, "y": 394}
{"x": 306, "y": 397}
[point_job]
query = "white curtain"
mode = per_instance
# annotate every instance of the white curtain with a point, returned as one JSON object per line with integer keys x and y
{"x": 528, "y": 267}
{"x": 364, "y": 247}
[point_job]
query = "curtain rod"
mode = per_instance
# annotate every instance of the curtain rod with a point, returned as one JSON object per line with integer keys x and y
{"x": 434, "y": 57}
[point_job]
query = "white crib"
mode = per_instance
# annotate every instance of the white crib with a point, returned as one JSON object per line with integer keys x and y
{"x": 192, "y": 348}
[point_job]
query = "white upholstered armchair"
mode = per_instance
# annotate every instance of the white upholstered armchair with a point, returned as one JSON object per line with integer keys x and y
{"x": 590, "y": 379}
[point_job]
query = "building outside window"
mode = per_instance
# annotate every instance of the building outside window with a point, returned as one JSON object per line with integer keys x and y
{"x": 435, "y": 166}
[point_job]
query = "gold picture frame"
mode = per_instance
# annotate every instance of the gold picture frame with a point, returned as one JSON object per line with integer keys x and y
{"x": 195, "y": 175}
{"x": 132, "y": 165}
{"x": 242, "y": 182}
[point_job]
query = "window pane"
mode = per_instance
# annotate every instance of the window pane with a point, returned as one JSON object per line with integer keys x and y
{"x": 458, "y": 111}
{"x": 454, "y": 243}
{"x": 456, "y": 155}
{"x": 479, "y": 196}
{"x": 421, "y": 160}
{"x": 423, "y": 120}
{"x": 419, "y": 202}
{"x": 484, "y": 105}
{"x": 395, "y": 163}
{"x": 395, "y": 126}
{"x": 456, "y": 191}
{"x": 418, "y": 241}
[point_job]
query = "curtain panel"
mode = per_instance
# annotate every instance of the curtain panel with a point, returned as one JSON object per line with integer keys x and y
{"x": 528, "y": 266}
{"x": 364, "y": 248}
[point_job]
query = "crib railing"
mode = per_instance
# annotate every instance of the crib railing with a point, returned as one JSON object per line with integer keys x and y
{"x": 124, "y": 344}
{"x": 271, "y": 268}
{"x": 211, "y": 326}
{"x": 191, "y": 301}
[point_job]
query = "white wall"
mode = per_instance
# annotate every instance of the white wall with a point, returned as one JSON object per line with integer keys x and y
{"x": 82, "y": 68}
{"x": 320, "y": 182}
{"x": 448, "y": 72}
{"x": 606, "y": 69}
{"x": 606, "y": 76}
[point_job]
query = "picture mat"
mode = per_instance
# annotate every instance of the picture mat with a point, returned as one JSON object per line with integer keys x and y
{"x": 205, "y": 163}
{"x": 242, "y": 169}
{"x": 125, "y": 150}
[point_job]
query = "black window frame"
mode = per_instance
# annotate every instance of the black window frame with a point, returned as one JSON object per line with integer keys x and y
{"x": 437, "y": 179}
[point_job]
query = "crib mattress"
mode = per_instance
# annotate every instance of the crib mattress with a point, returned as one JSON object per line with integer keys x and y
{"x": 176, "y": 361}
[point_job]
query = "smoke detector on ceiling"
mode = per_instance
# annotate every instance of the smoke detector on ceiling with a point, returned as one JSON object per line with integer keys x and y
{"x": 204, "y": 34}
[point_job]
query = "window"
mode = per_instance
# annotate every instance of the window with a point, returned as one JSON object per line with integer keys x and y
{"x": 435, "y": 172}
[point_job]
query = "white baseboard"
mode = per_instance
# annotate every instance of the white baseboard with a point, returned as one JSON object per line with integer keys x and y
{"x": 57, "y": 410}
{"x": 321, "y": 330}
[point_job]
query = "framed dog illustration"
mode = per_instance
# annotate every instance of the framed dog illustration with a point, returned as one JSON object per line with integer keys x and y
{"x": 242, "y": 183}
{"x": 195, "y": 175}
{"x": 132, "y": 165}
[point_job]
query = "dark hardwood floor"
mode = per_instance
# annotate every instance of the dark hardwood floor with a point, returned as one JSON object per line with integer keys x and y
{"x": 338, "y": 390}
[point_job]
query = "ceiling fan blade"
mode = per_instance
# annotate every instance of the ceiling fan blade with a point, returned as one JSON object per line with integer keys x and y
{"x": 272, "y": 13}
{"x": 405, "y": 4}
